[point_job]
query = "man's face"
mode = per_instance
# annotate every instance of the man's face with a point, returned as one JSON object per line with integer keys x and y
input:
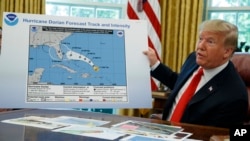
{"x": 210, "y": 50}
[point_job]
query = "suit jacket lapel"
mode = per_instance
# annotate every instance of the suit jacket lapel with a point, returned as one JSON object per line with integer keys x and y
{"x": 204, "y": 92}
{"x": 185, "y": 77}
{"x": 182, "y": 81}
{"x": 210, "y": 87}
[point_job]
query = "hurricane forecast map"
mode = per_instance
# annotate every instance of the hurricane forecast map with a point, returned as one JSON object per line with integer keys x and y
{"x": 73, "y": 62}
{"x": 76, "y": 65}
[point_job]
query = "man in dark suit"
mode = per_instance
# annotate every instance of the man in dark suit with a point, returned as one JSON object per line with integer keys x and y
{"x": 221, "y": 97}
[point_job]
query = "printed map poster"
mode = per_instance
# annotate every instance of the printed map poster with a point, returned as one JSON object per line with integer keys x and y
{"x": 69, "y": 62}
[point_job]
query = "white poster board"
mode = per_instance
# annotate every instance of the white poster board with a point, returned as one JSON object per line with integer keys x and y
{"x": 69, "y": 62}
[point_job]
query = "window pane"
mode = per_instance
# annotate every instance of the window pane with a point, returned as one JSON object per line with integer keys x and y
{"x": 244, "y": 26}
{"x": 112, "y": 1}
{"x": 224, "y": 3}
{"x": 82, "y": 12}
{"x": 229, "y": 3}
{"x": 58, "y": 10}
{"x": 107, "y": 13}
{"x": 244, "y": 21}
{"x": 228, "y": 16}
{"x": 244, "y": 2}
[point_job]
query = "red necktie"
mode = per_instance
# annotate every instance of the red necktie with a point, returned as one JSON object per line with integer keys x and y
{"x": 187, "y": 95}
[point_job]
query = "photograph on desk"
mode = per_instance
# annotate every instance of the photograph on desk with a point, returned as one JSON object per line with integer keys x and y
{"x": 35, "y": 121}
{"x": 56, "y": 122}
{"x": 78, "y": 121}
{"x": 142, "y": 138}
{"x": 152, "y": 130}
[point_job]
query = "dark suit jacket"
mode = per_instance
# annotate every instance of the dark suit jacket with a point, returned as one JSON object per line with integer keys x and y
{"x": 222, "y": 102}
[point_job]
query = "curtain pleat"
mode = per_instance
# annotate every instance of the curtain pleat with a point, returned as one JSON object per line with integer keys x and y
{"x": 130, "y": 112}
{"x": 22, "y": 6}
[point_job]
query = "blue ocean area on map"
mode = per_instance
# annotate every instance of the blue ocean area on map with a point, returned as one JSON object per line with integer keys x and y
{"x": 77, "y": 59}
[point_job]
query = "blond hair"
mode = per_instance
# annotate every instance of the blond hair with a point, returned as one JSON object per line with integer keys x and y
{"x": 229, "y": 30}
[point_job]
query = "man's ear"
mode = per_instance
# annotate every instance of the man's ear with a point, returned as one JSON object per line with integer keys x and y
{"x": 228, "y": 52}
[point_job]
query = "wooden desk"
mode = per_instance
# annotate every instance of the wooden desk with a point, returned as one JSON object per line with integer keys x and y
{"x": 159, "y": 101}
{"x": 11, "y": 132}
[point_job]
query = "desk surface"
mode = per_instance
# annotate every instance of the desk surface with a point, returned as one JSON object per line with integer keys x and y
{"x": 12, "y": 132}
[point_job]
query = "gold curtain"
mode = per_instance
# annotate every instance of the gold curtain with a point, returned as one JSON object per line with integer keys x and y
{"x": 179, "y": 23}
{"x": 22, "y": 6}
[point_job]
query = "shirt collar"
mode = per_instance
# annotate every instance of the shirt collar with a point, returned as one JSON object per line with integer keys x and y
{"x": 210, "y": 73}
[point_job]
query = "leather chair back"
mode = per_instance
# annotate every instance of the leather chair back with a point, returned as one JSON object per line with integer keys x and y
{"x": 242, "y": 63}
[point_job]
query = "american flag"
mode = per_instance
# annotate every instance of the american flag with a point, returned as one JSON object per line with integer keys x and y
{"x": 148, "y": 10}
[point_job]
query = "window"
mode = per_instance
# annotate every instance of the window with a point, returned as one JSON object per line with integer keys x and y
{"x": 113, "y": 9}
{"x": 236, "y": 12}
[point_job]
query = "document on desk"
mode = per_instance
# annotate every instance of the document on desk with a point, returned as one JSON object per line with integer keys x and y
{"x": 142, "y": 138}
{"x": 152, "y": 130}
{"x": 35, "y": 121}
{"x": 78, "y": 121}
{"x": 69, "y": 62}
{"x": 145, "y": 138}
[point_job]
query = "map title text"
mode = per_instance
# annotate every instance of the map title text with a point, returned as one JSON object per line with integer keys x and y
{"x": 72, "y": 23}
